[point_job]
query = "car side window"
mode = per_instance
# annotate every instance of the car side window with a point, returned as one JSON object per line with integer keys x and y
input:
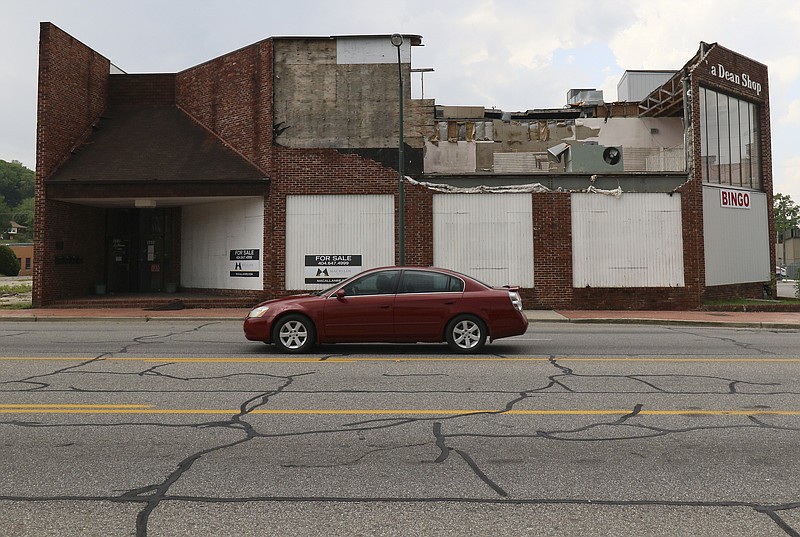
{"x": 422, "y": 281}
{"x": 377, "y": 283}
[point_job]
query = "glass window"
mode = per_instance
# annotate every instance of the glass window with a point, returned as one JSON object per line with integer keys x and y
{"x": 377, "y": 283}
{"x": 729, "y": 140}
{"x": 423, "y": 281}
{"x": 744, "y": 146}
{"x": 755, "y": 151}
{"x": 735, "y": 145}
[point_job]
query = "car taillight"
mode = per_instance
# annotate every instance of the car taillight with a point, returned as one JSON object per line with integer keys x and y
{"x": 515, "y": 299}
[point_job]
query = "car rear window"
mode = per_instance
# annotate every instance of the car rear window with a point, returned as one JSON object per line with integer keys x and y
{"x": 420, "y": 281}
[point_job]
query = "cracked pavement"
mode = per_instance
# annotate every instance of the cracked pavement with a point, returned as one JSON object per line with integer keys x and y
{"x": 184, "y": 428}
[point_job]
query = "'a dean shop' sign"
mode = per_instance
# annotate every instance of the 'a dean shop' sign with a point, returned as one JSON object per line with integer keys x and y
{"x": 741, "y": 79}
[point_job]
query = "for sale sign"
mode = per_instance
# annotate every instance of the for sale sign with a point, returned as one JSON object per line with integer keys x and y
{"x": 330, "y": 269}
{"x": 244, "y": 263}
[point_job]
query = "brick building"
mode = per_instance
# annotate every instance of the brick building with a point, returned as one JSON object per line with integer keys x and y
{"x": 272, "y": 167}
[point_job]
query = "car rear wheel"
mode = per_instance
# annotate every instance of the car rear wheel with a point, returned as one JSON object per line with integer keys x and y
{"x": 294, "y": 333}
{"x": 466, "y": 334}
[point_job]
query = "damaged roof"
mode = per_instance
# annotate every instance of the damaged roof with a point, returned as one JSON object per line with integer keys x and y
{"x": 136, "y": 143}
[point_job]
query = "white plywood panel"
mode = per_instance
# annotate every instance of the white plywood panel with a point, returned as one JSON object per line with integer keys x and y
{"x": 736, "y": 240}
{"x": 365, "y": 50}
{"x": 209, "y": 232}
{"x": 631, "y": 241}
{"x": 338, "y": 225}
{"x": 488, "y": 236}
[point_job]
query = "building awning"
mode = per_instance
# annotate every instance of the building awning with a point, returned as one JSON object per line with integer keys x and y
{"x": 154, "y": 151}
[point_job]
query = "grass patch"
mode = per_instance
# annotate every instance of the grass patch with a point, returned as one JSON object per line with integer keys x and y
{"x": 16, "y": 288}
{"x": 16, "y": 306}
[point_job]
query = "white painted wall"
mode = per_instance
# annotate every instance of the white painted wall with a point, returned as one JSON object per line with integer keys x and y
{"x": 450, "y": 157}
{"x": 736, "y": 240}
{"x": 632, "y": 241}
{"x": 634, "y": 132}
{"x": 488, "y": 236}
{"x": 364, "y": 50}
{"x": 209, "y": 232}
{"x": 337, "y": 225}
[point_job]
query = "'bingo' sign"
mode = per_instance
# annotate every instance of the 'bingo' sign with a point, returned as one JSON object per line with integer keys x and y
{"x": 734, "y": 199}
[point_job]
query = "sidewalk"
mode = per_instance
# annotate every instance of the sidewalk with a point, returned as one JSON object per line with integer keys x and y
{"x": 778, "y": 320}
{"x": 765, "y": 319}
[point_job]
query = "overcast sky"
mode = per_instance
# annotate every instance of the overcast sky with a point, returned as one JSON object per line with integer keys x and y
{"x": 513, "y": 55}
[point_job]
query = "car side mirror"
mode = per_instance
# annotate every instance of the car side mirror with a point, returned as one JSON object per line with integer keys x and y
{"x": 340, "y": 294}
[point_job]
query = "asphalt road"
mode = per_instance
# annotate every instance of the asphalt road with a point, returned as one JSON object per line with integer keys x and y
{"x": 184, "y": 428}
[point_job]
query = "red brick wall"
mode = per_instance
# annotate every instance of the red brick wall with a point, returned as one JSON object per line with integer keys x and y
{"x": 552, "y": 252}
{"x": 328, "y": 171}
{"x": 75, "y": 246}
{"x": 232, "y": 96}
{"x": 693, "y": 191}
{"x": 152, "y": 89}
{"x": 73, "y": 83}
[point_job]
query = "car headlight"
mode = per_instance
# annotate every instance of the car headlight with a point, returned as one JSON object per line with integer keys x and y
{"x": 515, "y": 299}
{"x": 258, "y": 311}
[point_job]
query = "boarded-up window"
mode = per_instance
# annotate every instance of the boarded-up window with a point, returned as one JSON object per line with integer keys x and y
{"x": 488, "y": 236}
{"x": 632, "y": 241}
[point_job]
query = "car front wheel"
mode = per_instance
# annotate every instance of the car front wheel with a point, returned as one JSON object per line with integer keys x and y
{"x": 294, "y": 333}
{"x": 466, "y": 334}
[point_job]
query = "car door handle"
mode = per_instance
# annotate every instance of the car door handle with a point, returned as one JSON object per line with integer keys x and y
{"x": 450, "y": 303}
{"x": 386, "y": 307}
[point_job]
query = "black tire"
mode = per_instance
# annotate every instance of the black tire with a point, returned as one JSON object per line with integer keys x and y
{"x": 294, "y": 334}
{"x": 466, "y": 334}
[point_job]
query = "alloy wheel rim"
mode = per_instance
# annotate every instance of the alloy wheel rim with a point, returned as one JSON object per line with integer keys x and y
{"x": 293, "y": 334}
{"x": 466, "y": 334}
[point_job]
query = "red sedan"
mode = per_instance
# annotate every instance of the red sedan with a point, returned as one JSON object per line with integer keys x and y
{"x": 392, "y": 304}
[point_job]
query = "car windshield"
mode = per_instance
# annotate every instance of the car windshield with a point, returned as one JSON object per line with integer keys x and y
{"x": 327, "y": 290}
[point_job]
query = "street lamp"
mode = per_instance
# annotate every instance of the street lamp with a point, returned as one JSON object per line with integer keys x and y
{"x": 397, "y": 41}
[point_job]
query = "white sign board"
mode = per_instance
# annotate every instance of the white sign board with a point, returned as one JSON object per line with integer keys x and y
{"x": 734, "y": 199}
{"x": 330, "y": 269}
{"x": 244, "y": 263}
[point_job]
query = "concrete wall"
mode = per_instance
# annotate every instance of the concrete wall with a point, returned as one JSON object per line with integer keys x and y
{"x": 344, "y": 93}
{"x": 467, "y": 146}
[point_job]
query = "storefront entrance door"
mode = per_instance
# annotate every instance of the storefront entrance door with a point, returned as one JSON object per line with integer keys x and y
{"x": 138, "y": 245}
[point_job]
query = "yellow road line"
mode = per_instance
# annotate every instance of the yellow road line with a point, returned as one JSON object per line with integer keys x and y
{"x": 144, "y": 409}
{"x": 341, "y": 359}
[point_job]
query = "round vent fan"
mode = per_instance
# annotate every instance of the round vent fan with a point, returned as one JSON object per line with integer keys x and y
{"x": 612, "y": 155}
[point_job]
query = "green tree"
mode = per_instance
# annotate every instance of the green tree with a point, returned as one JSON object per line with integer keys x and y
{"x": 16, "y": 182}
{"x": 23, "y": 212}
{"x": 6, "y": 215}
{"x": 787, "y": 216}
{"x": 9, "y": 264}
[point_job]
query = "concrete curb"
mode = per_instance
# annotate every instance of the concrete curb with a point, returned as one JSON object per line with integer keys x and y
{"x": 687, "y": 322}
{"x": 534, "y": 317}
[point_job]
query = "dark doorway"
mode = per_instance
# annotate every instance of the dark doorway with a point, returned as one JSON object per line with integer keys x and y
{"x": 139, "y": 248}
